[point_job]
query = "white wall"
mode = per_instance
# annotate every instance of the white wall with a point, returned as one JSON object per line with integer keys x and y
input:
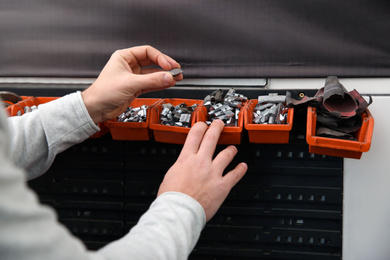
{"x": 366, "y": 220}
{"x": 366, "y": 215}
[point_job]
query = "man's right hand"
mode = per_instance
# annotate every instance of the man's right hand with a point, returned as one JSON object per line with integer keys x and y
{"x": 198, "y": 175}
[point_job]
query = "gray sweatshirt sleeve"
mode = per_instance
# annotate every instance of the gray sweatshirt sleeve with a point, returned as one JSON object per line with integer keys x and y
{"x": 37, "y": 137}
{"x": 29, "y": 230}
{"x": 169, "y": 231}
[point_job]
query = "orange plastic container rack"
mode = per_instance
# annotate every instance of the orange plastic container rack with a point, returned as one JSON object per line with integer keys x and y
{"x": 36, "y": 101}
{"x": 171, "y": 134}
{"x": 338, "y": 147}
{"x": 134, "y": 131}
{"x": 267, "y": 133}
{"x": 230, "y": 134}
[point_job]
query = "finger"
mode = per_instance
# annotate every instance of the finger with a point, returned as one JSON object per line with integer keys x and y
{"x": 235, "y": 175}
{"x": 149, "y": 70}
{"x": 144, "y": 71}
{"x": 194, "y": 138}
{"x": 140, "y": 56}
{"x": 224, "y": 158}
{"x": 147, "y": 55}
{"x": 174, "y": 64}
{"x": 151, "y": 82}
{"x": 178, "y": 77}
{"x": 210, "y": 139}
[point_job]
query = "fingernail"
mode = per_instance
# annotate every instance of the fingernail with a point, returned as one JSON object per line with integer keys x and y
{"x": 220, "y": 122}
{"x": 168, "y": 78}
{"x": 234, "y": 147}
{"x": 244, "y": 165}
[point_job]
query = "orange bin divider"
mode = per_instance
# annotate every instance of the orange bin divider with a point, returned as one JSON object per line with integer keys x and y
{"x": 167, "y": 133}
{"x": 339, "y": 147}
{"x": 230, "y": 134}
{"x": 134, "y": 131}
{"x": 267, "y": 133}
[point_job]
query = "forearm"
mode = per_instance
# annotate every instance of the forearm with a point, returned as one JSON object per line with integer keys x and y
{"x": 37, "y": 137}
{"x": 168, "y": 230}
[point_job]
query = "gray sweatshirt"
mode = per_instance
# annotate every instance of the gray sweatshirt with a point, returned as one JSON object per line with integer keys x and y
{"x": 30, "y": 230}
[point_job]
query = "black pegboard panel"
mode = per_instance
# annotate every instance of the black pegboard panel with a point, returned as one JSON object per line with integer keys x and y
{"x": 288, "y": 205}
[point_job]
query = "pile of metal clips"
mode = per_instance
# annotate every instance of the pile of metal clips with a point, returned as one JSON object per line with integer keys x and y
{"x": 136, "y": 114}
{"x": 179, "y": 115}
{"x": 226, "y": 109}
{"x": 270, "y": 109}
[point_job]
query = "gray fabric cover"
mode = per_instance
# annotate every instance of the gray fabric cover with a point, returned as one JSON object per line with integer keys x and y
{"x": 235, "y": 38}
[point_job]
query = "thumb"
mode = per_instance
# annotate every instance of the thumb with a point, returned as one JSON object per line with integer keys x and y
{"x": 152, "y": 82}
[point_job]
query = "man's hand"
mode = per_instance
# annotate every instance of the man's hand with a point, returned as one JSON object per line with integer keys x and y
{"x": 127, "y": 75}
{"x": 198, "y": 175}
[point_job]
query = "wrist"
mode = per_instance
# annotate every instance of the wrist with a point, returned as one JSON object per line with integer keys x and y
{"x": 91, "y": 106}
{"x": 187, "y": 201}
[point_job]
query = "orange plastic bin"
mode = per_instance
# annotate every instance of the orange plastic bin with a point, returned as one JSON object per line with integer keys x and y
{"x": 133, "y": 131}
{"x": 11, "y": 106}
{"x": 171, "y": 134}
{"x": 338, "y": 147}
{"x": 267, "y": 133}
{"x": 230, "y": 134}
{"x": 28, "y": 102}
{"x": 36, "y": 101}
